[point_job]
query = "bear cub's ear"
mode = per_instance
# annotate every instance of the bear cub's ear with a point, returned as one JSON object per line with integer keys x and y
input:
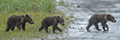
{"x": 108, "y": 15}
{"x": 27, "y": 15}
{"x": 58, "y": 16}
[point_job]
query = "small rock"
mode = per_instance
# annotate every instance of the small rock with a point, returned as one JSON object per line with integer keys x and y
{"x": 78, "y": 6}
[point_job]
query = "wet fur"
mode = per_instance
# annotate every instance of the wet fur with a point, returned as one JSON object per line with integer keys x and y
{"x": 103, "y": 18}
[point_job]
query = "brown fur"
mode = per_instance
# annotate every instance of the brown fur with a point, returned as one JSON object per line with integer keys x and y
{"x": 48, "y": 21}
{"x": 103, "y": 18}
{"x": 16, "y": 20}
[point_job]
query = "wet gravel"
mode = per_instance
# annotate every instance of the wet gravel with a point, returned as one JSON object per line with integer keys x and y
{"x": 82, "y": 10}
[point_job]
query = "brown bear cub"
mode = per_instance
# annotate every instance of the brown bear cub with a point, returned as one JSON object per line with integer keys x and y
{"x": 16, "y": 20}
{"x": 48, "y": 21}
{"x": 103, "y": 18}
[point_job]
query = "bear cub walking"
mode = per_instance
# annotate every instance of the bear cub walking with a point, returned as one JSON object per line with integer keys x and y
{"x": 48, "y": 21}
{"x": 103, "y": 18}
{"x": 16, "y": 20}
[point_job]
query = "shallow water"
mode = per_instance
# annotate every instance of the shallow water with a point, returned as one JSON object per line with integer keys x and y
{"x": 84, "y": 12}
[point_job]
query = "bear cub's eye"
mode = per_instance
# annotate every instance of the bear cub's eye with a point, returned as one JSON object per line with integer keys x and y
{"x": 31, "y": 19}
{"x": 113, "y": 18}
{"x": 62, "y": 21}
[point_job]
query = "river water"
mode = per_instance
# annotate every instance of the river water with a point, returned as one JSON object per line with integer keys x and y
{"x": 82, "y": 14}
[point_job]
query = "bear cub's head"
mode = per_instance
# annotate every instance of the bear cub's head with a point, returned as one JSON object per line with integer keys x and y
{"x": 28, "y": 19}
{"x": 61, "y": 20}
{"x": 111, "y": 18}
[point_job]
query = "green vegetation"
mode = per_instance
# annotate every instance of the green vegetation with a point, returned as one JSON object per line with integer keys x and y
{"x": 61, "y": 2}
{"x": 38, "y": 9}
{"x": 28, "y": 5}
